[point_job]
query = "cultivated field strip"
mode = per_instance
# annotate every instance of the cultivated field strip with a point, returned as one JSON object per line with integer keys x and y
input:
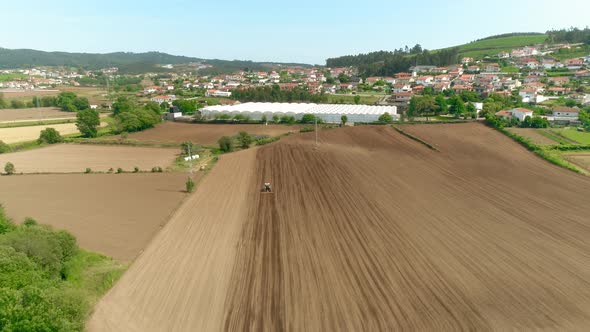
{"x": 180, "y": 281}
{"x": 371, "y": 231}
{"x": 75, "y": 158}
{"x": 207, "y": 134}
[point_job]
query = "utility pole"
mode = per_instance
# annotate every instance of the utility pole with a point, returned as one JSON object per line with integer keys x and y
{"x": 316, "y": 131}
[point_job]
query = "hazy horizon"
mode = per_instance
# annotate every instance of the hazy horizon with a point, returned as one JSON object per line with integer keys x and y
{"x": 302, "y": 32}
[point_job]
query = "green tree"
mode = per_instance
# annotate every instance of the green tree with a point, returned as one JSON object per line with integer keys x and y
{"x": 357, "y": 100}
{"x": 244, "y": 139}
{"x": 263, "y": 119}
{"x": 123, "y": 104}
{"x": 81, "y": 103}
{"x": 2, "y": 101}
{"x": 17, "y": 104}
{"x": 9, "y": 168}
{"x": 441, "y": 104}
{"x": 226, "y": 144}
{"x": 66, "y": 101}
{"x": 385, "y": 118}
{"x": 49, "y": 136}
{"x": 275, "y": 119}
{"x": 344, "y": 120}
{"x": 87, "y": 122}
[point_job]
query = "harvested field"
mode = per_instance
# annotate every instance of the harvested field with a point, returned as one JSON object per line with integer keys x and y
{"x": 115, "y": 214}
{"x": 75, "y": 158}
{"x": 26, "y": 114}
{"x": 534, "y": 135}
{"x": 580, "y": 159}
{"x": 206, "y": 133}
{"x": 31, "y": 133}
{"x": 95, "y": 95}
{"x": 371, "y": 231}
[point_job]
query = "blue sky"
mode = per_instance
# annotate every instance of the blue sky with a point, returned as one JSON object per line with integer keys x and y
{"x": 262, "y": 30}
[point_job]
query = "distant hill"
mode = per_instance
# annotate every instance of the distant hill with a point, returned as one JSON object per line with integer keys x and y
{"x": 125, "y": 61}
{"x": 502, "y": 43}
{"x": 384, "y": 63}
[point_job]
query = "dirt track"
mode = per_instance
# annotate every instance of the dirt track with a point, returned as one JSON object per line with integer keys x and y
{"x": 115, "y": 214}
{"x": 206, "y": 133}
{"x": 372, "y": 231}
{"x": 75, "y": 158}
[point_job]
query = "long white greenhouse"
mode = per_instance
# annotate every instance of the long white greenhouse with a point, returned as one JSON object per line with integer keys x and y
{"x": 330, "y": 113}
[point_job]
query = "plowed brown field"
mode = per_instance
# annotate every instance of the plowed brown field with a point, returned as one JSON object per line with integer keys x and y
{"x": 74, "y": 158}
{"x": 115, "y": 214}
{"x": 206, "y": 133}
{"x": 370, "y": 231}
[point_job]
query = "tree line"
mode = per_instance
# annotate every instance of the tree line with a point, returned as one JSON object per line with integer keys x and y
{"x": 66, "y": 101}
{"x": 275, "y": 94}
{"x": 571, "y": 35}
{"x": 386, "y": 63}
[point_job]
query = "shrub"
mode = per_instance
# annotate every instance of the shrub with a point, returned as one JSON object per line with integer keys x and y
{"x": 111, "y": 170}
{"x": 30, "y": 222}
{"x": 119, "y": 170}
{"x": 49, "y": 136}
{"x": 190, "y": 185}
{"x": 135, "y": 169}
{"x": 245, "y": 139}
{"x": 385, "y": 118}
{"x": 306, "y": 129}
{"x": 266, "y": 140}
{"x": 9, "y": 168}
{"x": 4, "y": 148}
{"x": 157, "y": 169}
{"x": 88, "y": 170}
{"x": 226, "y": 144}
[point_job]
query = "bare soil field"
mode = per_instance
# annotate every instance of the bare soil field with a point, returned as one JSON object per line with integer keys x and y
{"x": 580, "y": 159}
{"x": 115, "y": 214}
{"x": 534, "y": 135}
{"x": 75, "y": 158}
{"x": 179, "y": 282}
{"x": 41, "y": 113}
{"x": 370, "y": 231}
{"x": 206, "y": 133}
{"x": 94, "y": 95}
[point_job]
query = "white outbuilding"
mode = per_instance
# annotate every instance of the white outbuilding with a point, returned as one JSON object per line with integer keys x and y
{"x": 329, "y": 113}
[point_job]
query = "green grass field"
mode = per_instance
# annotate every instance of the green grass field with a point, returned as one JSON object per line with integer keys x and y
{"x": 13, "y": 77}
{"x": 492, "y": 47}
{"x": 574, "y": 135}
{"x": 349, "y": 99}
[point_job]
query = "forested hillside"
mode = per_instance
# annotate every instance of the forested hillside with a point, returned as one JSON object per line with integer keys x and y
{"x": 127, "y": 62}
{"x": 384, "y": 63}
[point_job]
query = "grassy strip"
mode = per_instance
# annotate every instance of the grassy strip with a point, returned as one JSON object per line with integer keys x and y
{"x": 552, "y": 136}
{"x": 428, "y": 145}
{"x": 35, "y": 123}
{"x": 127, "y": 142}
{"x": 570, "y": 147}
{"x": 546, "y": 154}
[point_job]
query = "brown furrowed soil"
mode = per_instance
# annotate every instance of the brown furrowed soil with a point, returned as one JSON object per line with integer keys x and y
{"x": 75, "y": 158}
{"x": 115, "y": 214}
{"x": 180, "y": 281}
{"x": 27, "y": 114}
{"x": 206, "y": 133}
{"x": 534, "y": 135}
{"x": 371, "y": 231}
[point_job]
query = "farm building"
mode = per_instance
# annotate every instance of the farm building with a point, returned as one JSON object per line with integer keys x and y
{"x": 330, "y": 113}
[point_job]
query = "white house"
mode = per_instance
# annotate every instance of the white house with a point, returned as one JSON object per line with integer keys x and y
{"x": 519, "y": 113}
{"x": 528, "y": 95}
{"x": 566, "y": 113}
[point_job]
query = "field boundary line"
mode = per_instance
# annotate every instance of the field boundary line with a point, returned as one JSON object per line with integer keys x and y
{"x": 417, "y": 139}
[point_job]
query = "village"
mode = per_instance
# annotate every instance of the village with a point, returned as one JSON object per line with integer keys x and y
{"x": 533, "y": 74}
